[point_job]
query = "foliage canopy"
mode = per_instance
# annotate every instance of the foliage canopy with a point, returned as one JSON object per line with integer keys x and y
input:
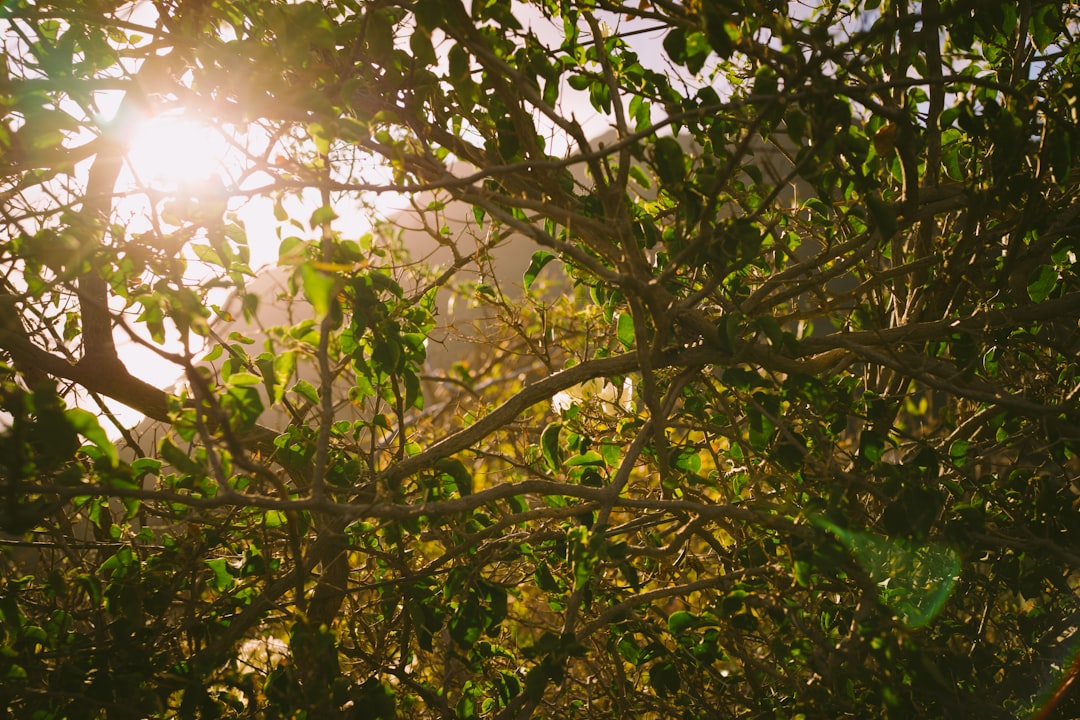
{"x": 796, "y": 434}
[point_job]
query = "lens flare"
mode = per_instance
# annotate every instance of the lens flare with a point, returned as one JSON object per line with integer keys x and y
{"x": 170, "y": 152}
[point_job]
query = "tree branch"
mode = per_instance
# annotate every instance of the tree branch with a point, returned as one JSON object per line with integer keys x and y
{"x": 1065, "y": 306}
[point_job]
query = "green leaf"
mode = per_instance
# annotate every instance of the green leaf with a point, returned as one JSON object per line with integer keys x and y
{"x": 323, "y": 215}
{"x": 422, "y": 49}
{"x": 639, "y": 176}
{"x": 244, "y": 405}
{"x": 688, "y": 460}
{"x": 265, "y": 365}
{"x": 958, "y": 452}
{"x": 377, "y": 700}
{"x": 223, "y": 579}
{"x": 587, "y": 458}
{"x": 456, "y": 469}
{"x": 321, "y": 139}
{"x": 761, "y": 424}
{"x": 546, "y": 581}
{"x": 320, "y": 288}
{"x": 291, "y": 250}
{"x": 802, "y": 570}
{"x": 680, "y": 621}
{"x": 697, "y": 51}
{"x": 273, "y": 519}
{"x": 675, "y": 45}
{"x": 86, "y": 424}
{"x": 1042, "y": 283}
{"x": 179, "y": 459}
{"x": 579, "y": 82}
{"x": 549, "y": 446}
{"x": 730, "y": 327}
{"x": 669, "y": 161}
{"x": 458, "y": 65}
{"x": 280, "y": 214}
{"x": 243, "y": 379}
{"x": 883, "y": 215}
{"x": 380, "y": 34}
{"x": 625, "y": 330}
{"x": 428, "y": 13}
{"x": 208, "y": 255}
{"x": 612, "y": 453}
{"x": 871, "y": 446}
{"x": 717, "y": 24}
{"x": 664, "y": 678}
{"x": 386, "y": 354}
{"x": 466, "y": 625}
{"x": 140, "y": 467}
{"x": 540, "y": 258}
{"x": 307, "y": 391}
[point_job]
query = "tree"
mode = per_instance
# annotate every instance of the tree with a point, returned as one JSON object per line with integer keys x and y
{"x": 834, "y": 470}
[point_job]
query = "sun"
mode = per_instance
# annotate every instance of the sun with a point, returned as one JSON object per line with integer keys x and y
{"x": 168, "y": 152}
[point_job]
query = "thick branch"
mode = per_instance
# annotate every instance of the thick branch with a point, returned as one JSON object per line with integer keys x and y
{"x": 1065, "y": 306}
{"x": 109, "y": 378}
{"x": 93, "y": 291}
{"x": 509, "y": 410}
